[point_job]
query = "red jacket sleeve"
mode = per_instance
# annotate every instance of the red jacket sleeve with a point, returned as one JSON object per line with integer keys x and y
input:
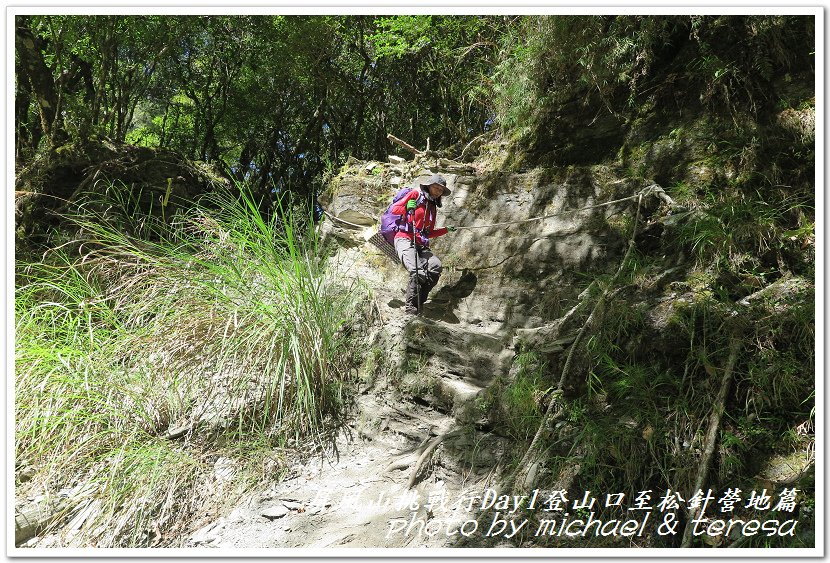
{"x": 400, "y": 207}
{"x": 438, "y": 232}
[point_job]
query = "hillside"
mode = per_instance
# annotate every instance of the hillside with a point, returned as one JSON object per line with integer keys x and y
{"x": 625, "y": 319}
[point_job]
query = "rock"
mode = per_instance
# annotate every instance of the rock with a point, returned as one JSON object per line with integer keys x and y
{"x": 291, "y": 504}
{"x": 209, "y": 533}
{"x": 178, "y": 431}
{"x": 785, "y": 469}
{"x": 396, "y": 160}
{"x": 628, "y": 422}
{"x": 779, "y": 293}
{"x": 223, "y": 469}
{"x": 800, "y": 123}
{"x": 237, "y": 515}
{"x": 453, "y": 167}
{"x": 25, "y": 474}
{"x": 276, "y": 511}
{"x": 31, "y": 543}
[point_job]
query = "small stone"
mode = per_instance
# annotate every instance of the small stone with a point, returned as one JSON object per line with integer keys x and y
{"x": 25, "y": 474}
{"x": 276, "y": 511}
{"x": 208, "y": 533}
{"x": 236, "y": 515}
{"x": 223, "y": 469}
{"x": 396, "y": 160}
{"x": 291, "y": 505}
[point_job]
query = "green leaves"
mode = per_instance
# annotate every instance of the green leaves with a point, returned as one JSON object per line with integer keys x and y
{"x": 276, "y": 99}
{"x": 401, "y": 35}
{"x": 226, "y": 322}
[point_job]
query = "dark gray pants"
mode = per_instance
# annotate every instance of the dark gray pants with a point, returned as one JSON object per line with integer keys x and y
{"x": 429, "y": 266}
{"x": 428, "y": 271}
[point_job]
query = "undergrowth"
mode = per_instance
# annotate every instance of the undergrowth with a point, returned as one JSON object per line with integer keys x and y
{"x": 654, "y": 367}
{"x": 219, "y": 322}
{"x": 517, "y": 403}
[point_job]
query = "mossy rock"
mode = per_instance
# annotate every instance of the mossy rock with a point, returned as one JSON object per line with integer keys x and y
{"x": 92, "y": 169}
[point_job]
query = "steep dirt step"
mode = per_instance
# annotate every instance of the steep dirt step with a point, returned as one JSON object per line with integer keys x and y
{"x": 459, "y": 362}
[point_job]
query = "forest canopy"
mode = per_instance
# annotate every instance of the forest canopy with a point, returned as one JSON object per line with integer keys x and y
{"x": 274, "y": 100}
{"x": 278, "y": 100}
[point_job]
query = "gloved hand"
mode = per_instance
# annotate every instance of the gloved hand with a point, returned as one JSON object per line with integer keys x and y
{"x": 450, "y": 229}
{"x": 410, "y": 205}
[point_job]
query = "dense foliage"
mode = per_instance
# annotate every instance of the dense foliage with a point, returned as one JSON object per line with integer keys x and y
{"x": 275, "y": 100}
{"x": 279, "y": 100}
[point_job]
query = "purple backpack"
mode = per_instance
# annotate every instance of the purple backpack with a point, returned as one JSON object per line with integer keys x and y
{"x": 391, "y": 223}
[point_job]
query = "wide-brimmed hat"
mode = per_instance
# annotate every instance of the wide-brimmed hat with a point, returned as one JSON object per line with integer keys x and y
{"x": 436, "y": 179}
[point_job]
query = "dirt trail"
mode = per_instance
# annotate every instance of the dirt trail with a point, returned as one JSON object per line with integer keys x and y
{"x": 357, "y": 494}
{"x": 425, "y": 411}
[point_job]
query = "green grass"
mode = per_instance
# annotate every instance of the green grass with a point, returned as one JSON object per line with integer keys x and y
{"x": 219, "y": 319}
{"x": 518, "y": 402}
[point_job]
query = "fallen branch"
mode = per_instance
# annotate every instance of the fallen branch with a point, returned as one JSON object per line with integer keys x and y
{"x": 712, "y": 433}
{"x": 36, "y": 517}
{"x": 409, "y": 147}
{"x": 404, "y": 144}
{"x": 30, "y": 520}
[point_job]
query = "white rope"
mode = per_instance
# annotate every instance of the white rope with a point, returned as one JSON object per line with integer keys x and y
{"x": 330, "y": 216}
{"x": 548, "y": 216}
{"x": 644, "y": 192}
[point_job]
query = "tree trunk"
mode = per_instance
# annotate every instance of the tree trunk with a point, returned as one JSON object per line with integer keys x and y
{"x": 25, "y": 133}
{"x": 712, "y": 433}
{"x": 42, "y": 84}
{"x": 108, "y": 47}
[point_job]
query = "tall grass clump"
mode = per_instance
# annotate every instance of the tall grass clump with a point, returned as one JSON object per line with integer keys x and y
{"x": 146, "y": 350}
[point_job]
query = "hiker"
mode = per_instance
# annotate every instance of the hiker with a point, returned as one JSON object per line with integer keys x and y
{"x": 420, "y": 205}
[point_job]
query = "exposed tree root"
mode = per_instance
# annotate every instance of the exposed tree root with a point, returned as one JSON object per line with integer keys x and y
{"x": 424, "y": 452}
{"x": 712, "y": 433}
{"x": 555, "y": 409}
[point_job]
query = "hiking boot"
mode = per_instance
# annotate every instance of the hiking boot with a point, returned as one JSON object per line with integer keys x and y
{"x": 411, "y": 298}
{"x": 426, "y": 287}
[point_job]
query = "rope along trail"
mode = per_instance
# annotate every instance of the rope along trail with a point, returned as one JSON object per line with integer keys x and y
{"x": 654, "y": 188}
